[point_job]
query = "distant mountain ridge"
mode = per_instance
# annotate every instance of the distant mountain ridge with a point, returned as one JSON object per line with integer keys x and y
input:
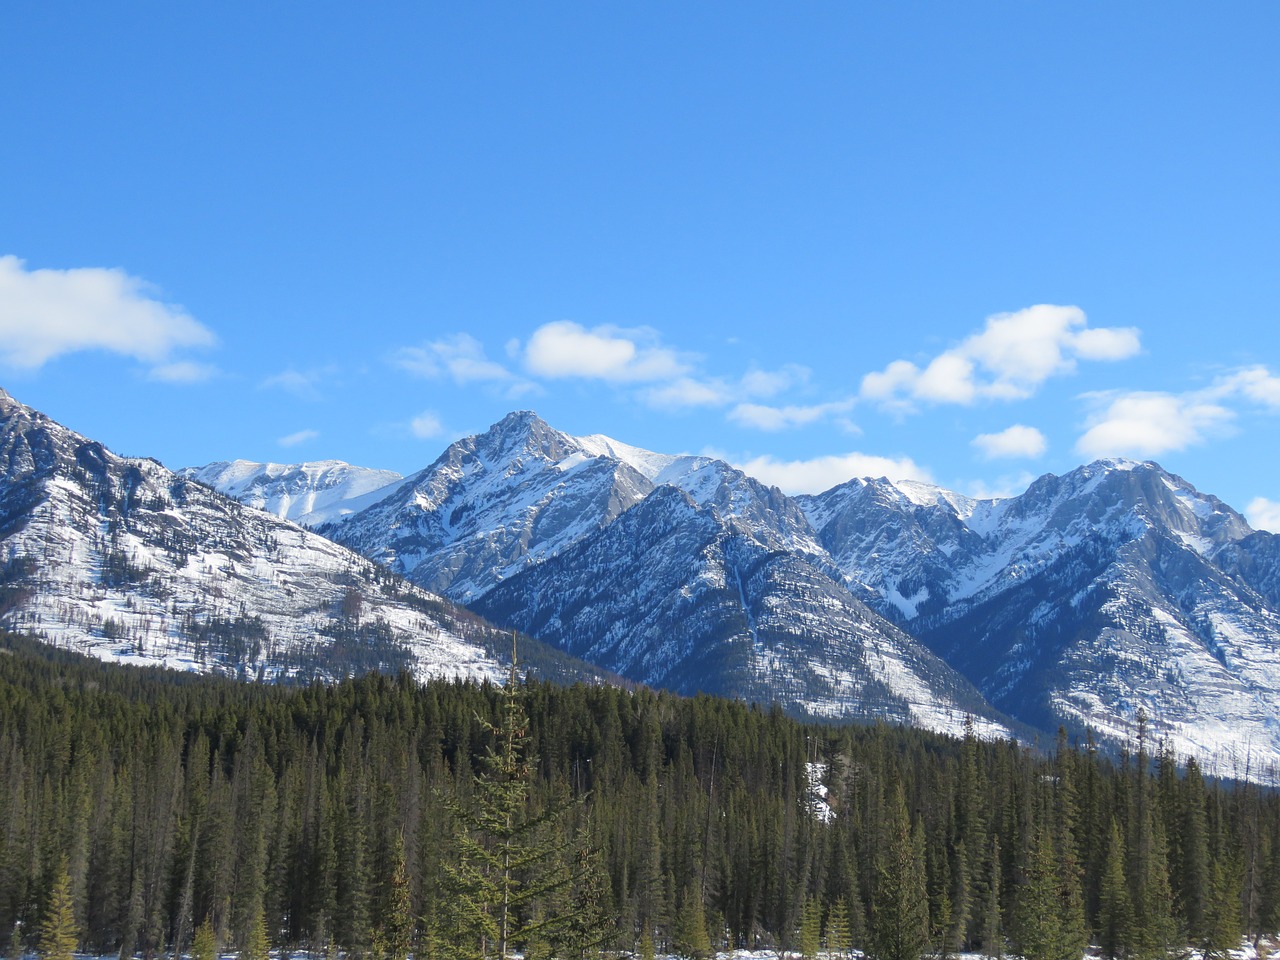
{"x": 123, "y": 559}
{"x": 1115, "y": 588}
{"x": 309, "y": 493}
{"x": 1113, "y": 591}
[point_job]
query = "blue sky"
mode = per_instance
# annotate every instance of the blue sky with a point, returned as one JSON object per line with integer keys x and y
{"x": 971, "y": 242}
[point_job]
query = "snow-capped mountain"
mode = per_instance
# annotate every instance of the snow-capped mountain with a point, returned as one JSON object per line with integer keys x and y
{"x": 1115, "y": 588}
{"x": 493, "y": 504}
{"x": 308, "y": 493}
{"x": 123, "y": 559}
{"x": 490, "y": 505}
{"x": 702, "y": 577}
{"x": 675, "y": 595}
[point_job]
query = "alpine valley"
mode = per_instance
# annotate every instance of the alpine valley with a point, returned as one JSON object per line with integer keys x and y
{"x": 1113, "y": 593}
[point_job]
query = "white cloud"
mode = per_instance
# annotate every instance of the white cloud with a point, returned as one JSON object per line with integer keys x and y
{"x": 686, "y": 392}
{"x": 304, "y": 384}
{"x": 182, "y": 371}
{"x": 460, "y": 356}
{"x": 1007, "y": 360}
{"x": 47, "y": 313}
{"x": 1255, "y": 383}
{"x": 823, "y": 473}
{"x": 426, "y": 425}
{"x": 773, "y": 419}
{"x": 566, "y": 349}
{"x": 1145, "y": 424}
{"x": 1263, "y": 514}
{"x": 769, "y": 383}
{"x": 1015, "y": 441}
{"x": 302, "y": 436}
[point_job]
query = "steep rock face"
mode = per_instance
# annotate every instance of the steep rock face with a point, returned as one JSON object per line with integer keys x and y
{"x": 1115, "y": 588}
{"x": 123, "y": 559}
{"x": 307, "y": 493}
{"x": 491, "y": 505}
{"x": 675, "y": 595}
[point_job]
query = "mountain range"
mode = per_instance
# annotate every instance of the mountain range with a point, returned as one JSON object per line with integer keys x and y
{"x": 1112, "y": 593}
{"x": 126, "y": 560}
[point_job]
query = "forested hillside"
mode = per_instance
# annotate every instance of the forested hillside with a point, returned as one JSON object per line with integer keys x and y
{"x": 364, "y": 816}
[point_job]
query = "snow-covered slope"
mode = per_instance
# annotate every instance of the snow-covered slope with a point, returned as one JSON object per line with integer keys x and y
{"x": 308, "y": 493}
{"x": 521, "y": 492}
{"x": 491, "y": 505}
{"x": 1115, "y": 588}
{"x": 674, "y": 595}
{"x": 679, "y": 553}
{"x": 123, "y": 559}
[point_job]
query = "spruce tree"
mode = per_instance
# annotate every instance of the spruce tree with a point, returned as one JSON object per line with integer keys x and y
{"x": 57, "y": 937}
{"x": 1221, "y": 931}
{"x": 1037, "y": 923}
{"x": 393, "y": 938}
{"x": 810, "y": 928}
{"x": 258, "y": 946}
{"x": 899, "y": 922}
{"x": 839, "y": 935}
{"x": 993, "y": 923}
{"x": 505, "y": 859}
{"x": 205, "y": 944}
{"x": 1115, "y": 912}
{"x": 691, "y": 938}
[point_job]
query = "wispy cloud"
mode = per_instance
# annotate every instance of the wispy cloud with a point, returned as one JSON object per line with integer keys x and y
{"x": 460, "y": 357}
{"x": 45, "y": 314}
{"x": 1018, "y": 440}
{"x": 426, "y": 425}
{"x": 302, "y": 436}
{"x": 1008, "y": 360}
{"x": 304, "y": 384}
{"x": 773, "y": 419}
{"x": 1263, "y": 514}
{"x": 183, "y": 371}
{"x": 823, "y": 473}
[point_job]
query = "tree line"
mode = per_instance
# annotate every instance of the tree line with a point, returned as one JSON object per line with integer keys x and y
{"x": 146, "y": 813}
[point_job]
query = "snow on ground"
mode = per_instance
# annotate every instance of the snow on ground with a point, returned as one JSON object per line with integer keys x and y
{"x": 1245, "y": 952}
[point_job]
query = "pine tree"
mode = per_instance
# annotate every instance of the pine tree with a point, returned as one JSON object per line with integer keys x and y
{"x": 393, "y": 938}
{"x": 205, "y": 944}
{"x": 839, "y": 934}
{"x": 691, "y": 926}
{"x": 1115, "y": 914}
{"x": 582, "y": 924}
{"x": 993, "y": 927}
{"x": 899, "y": 923}
{"x": 505, "y": 860}
{"x": 258, "y": 946}
{"x": 1221, "y": 932}
{"x": 1037, "y": 924}
{"x": 57, "y": 937}
{"x": 810, "y": 928}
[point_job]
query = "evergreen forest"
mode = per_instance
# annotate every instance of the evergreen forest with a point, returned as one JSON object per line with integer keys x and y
{"x": 145, "y": 813}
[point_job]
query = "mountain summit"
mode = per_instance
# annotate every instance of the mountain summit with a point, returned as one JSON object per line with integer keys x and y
{"x": 123, "y": 559}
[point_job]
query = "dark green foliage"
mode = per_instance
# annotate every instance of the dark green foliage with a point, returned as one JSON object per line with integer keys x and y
{"x": 191, "y": 811}
{"x": 899, "y": 927}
